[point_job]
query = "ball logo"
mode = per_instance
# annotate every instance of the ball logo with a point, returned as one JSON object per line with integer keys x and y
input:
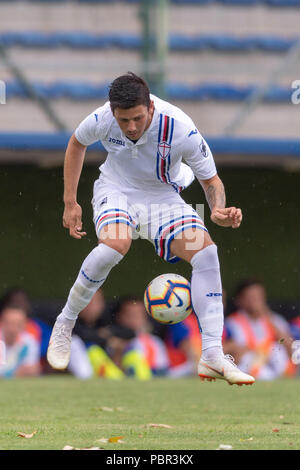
{"x": 180, "y": 303}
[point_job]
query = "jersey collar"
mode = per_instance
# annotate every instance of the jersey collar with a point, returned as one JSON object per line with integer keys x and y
{"x": 144, "y": 138}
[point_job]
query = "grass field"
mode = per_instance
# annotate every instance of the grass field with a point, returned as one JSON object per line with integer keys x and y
{"x": 65, "y": 411}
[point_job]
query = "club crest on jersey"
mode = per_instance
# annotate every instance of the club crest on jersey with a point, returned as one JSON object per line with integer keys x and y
{"x": 164, "y": 150}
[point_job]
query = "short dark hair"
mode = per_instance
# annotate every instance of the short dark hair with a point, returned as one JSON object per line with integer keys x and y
{"x": 9, "y": 299}
{"x": 12, "y": 307}
{"x": 128, "y": 91}
{"x": 245, "y": 283}
{"x": 128, "y": 299}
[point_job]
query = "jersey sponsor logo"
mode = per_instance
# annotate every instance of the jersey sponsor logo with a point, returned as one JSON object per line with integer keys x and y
{"x": 193, "y": 132}
{"x": 117, "y": 141}
{"x": 214, "y": 294}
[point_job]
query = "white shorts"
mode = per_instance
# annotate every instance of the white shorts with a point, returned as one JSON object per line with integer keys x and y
{"x": 158, "y": 216}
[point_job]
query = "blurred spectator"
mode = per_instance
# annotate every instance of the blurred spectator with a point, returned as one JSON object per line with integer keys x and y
{"x": 295, "y": 327}
{"x": 109, "y": 363}
{"x": 295, "y": 331}
{"x": 22, "y": 350}
{"x": 106, "y": 343}
{"x": 79, "y": 365}
{"x": 258, "y": 338}
{"x": 86, "y": 333}
{"x": 18, "y": 297}
{"x": 130, "y": 313}
{"x": 184, "y": 345}
{"x": 91, "y": 323}
{"x": 183, "y": 342}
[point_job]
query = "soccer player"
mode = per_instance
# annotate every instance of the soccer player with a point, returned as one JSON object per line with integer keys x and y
{"x": 138, "y": 191}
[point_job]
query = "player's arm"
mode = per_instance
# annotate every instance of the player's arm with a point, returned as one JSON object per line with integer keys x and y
{"x": 216, "y": 199}
{"x": 197, "y": 154}
{"x": 86, "y": 134}
{"x": 74, "y": 157}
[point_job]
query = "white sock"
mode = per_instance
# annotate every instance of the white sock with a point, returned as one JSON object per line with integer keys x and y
{"x": 206, "y": 290}
{"x": 92, "y": 275}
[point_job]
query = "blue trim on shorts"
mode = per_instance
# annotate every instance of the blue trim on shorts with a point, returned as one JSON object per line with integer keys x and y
{"x": 110, "y": 210}
{"x": 170, "y": 222}
{"x": 167, "y": 255}
{"x": 114, "y": 221}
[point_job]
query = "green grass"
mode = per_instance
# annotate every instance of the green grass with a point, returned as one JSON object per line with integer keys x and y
{"x": 65, "y": 411}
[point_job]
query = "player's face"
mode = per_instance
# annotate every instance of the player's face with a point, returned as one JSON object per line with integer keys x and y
{"x": 253, "y": 300}
{"x": 134, "y": 121}
{"x": 13, "y": 321}
{"x": 133, "y": 316}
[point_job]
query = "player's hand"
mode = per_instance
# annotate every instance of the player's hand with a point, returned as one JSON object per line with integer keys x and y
{"x": 72, "y": 220}
{"x": 228, "y": 217}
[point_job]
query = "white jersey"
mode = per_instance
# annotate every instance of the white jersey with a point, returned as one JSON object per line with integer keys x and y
{"x": 155, "y": 160}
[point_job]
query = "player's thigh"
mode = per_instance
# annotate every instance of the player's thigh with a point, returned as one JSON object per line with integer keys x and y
{"x": 188, "y": 242}
{"x": 113, "y": 218}
{"x": 117, "y": 236}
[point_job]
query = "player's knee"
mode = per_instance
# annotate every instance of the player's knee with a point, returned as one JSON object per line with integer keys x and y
{"x": 116, "y": 236}
{"x": 121, "y": 246}
{"x": 207, "y": 257}
{"x": 102, "y": 256}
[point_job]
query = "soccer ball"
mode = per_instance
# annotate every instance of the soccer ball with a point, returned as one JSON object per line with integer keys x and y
{"x": 168, "y": 298}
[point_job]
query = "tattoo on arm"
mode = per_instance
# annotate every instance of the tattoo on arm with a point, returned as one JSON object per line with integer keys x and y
{"x": 215, "y": 195}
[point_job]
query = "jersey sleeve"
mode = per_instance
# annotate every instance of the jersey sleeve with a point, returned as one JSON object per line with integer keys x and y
{"x": 93, "y": 127}
{"x": 197, "y": 154}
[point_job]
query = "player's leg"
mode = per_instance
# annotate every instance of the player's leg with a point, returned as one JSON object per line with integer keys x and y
{"x": 114, "y": 230}
{"x": 114, "y": 243}
{"x": 195, "y": 246}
